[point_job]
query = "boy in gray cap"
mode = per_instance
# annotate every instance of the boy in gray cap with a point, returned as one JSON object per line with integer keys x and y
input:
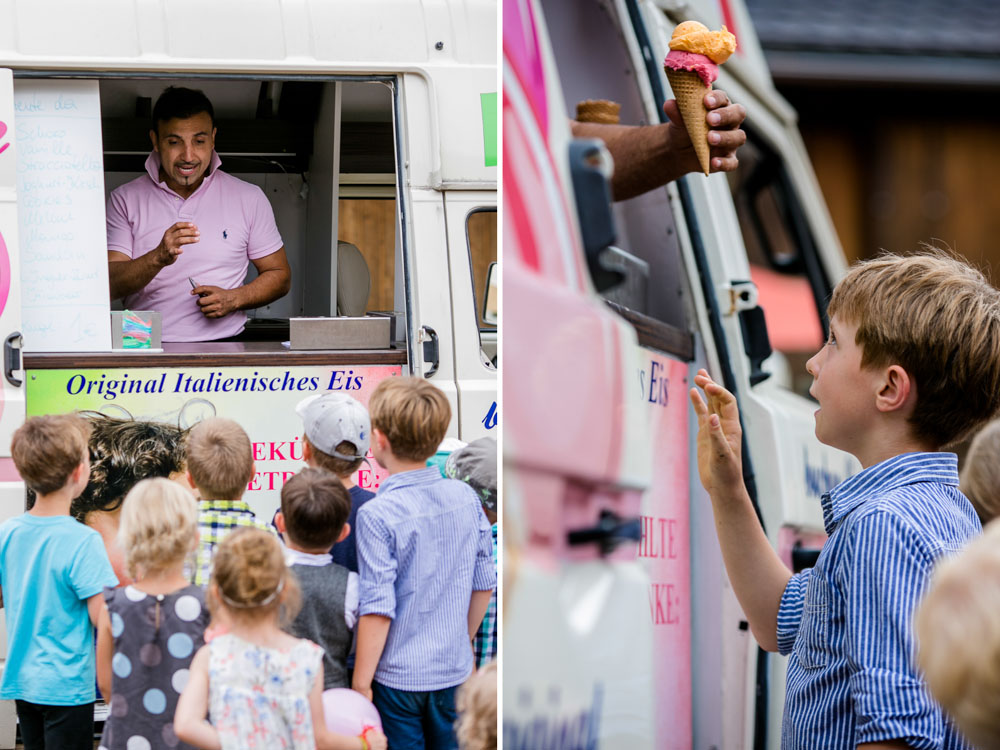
{"x": 476, "y": 465}
{"x": 337, "y": 435}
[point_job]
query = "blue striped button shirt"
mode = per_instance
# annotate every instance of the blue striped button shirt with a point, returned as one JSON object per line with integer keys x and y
{"x": 847, "y": 622}
{"x": 424, "y": 545}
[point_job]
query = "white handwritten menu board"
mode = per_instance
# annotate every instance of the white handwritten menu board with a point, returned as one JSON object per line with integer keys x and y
{"x": 60, "y": 205}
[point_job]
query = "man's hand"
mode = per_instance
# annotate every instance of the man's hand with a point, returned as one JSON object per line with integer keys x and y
{"x": 724, "y": 135}
{"x": 171, "y": 246}
{"x": 720, "y": 462}
{"x": 216, "y": 302}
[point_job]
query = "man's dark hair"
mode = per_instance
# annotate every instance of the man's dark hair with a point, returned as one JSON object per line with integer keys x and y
{"x": 181, "y": 103}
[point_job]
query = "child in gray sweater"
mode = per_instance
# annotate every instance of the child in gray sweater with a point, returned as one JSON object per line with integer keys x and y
{"x": 313, "y": 516}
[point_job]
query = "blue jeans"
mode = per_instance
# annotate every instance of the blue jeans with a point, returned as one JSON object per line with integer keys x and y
{"x": 415, "y": 721}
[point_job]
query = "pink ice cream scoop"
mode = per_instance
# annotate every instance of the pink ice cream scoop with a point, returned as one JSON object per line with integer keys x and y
{"x": 707, "y": 70}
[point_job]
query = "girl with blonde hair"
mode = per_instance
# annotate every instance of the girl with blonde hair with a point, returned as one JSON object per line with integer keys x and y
{"x": 262, "y": 686}
{"x": 149, "y": 630}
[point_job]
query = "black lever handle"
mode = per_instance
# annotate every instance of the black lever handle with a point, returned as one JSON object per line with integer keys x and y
{"x": 431, "y": 351}
{"x": 610, "y": 531}
{"x": 12, "y": 359}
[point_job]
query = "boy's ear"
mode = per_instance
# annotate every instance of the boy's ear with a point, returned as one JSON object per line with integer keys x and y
{"x": 344, "y": 532}
{"x": 896, "y": 391}
{"x": 279, "y": 522}
{"x": 307, "y": 450}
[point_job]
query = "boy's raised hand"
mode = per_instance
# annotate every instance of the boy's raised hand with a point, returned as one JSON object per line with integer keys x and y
{"x": 720, "y": 462}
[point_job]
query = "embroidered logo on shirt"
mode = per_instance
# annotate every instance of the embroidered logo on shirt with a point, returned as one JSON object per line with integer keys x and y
{"x": 225, "y": 235}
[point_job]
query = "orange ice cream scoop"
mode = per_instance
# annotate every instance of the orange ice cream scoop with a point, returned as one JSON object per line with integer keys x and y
{"x": 692, "y": 36}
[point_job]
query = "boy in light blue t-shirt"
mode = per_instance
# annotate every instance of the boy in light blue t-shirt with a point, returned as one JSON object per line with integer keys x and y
{"x": 52, "y": 572}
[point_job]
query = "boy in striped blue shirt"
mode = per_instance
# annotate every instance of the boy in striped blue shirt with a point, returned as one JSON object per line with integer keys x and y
{"x": 912, "y": 364}
{"x": 425, "y": 556}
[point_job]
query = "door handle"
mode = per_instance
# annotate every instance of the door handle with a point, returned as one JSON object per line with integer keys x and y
{"x": 610, "y": 531}
{"x": 12, "y": 358}
{"x": 432, "y": 352}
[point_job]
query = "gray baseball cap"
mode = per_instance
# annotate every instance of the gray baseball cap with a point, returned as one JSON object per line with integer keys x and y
{"x": 476, "y": 465}
{"x": 333, "y": 417}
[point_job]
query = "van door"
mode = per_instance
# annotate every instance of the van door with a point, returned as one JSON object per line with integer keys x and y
{"x": 12, "y": 393}
{"x": 472, "y": 247}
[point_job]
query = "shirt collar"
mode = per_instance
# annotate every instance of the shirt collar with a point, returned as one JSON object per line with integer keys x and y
{"x": 153, "y": 164}
{"x": 895, "y": 472}
{"x": 297, "y": 557}
{"x": 410, "y": 478}
{"x": 224, "y": 505}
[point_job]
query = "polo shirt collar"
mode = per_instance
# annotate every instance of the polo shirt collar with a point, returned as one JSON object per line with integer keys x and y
{"x": 895, "y": 472}
{"x": 153, "y": 164}
{"x": 411, "y": 478}
{"x": 224, "y": 505}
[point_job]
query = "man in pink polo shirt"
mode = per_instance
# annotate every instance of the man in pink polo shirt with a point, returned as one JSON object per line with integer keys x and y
{"x": 187, "y": 219}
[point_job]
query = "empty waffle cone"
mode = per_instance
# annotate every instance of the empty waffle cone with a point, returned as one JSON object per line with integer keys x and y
{"x": 598, "y": 110}
{"x": 690, "y": 90}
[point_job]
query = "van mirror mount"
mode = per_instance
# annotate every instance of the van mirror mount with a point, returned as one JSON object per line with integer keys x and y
{"x": 591, "y": 167}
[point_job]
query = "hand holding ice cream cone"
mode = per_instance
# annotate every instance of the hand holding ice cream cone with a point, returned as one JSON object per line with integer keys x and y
{"x": 691, "y": 66}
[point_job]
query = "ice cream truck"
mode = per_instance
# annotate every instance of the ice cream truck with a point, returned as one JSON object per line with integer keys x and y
{"x": 371, "y": 128}
{"x": 619, "y": 627}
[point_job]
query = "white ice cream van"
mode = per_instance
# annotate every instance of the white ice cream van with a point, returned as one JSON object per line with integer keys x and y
{"x": 370, "y": 126}
{"x": 619, "y": 626}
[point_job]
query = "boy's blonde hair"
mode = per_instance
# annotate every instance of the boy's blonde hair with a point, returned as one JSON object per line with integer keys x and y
{"x": 412, "y": 414}
{"x": 477, "y": 710}
{"x": 251, "y": 580}
{"x": 958, "y": 636}
{"x": 159, "y": 521}
{"x": 939, "y": 319}
{"x": 980, "y": 478}
{"x": 219, "y": 459}
{"x": 335, "y": 465}
{"x": 47, "y": 449}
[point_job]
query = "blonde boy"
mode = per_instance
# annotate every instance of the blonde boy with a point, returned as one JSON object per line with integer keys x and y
{"x": 220, "y": 465}
{"x": 958, "y": 629}
{"x": 912, "y": 364}
{"x": 52, "y": 572}
{"x": 426, "y": 561}
{"x": 980, "y": 477}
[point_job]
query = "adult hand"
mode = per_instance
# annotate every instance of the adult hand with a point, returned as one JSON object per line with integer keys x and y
{"x": 724, "y": 135}
{"x": 216, "y": 302}
{"x": 720, "y": 447}
{"x": 170, "y": 247}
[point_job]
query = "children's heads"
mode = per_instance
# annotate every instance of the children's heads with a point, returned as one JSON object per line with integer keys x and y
{"x": 250, "y": 579}
{"x": 48, "y": 450}
{"x": 314, "y": 508}
{"x": 476, "y": 465}
{"x": 219, "y": 459}
{"x": 411, "y": 414}
{"x": 477, "y": 709}
{"x": 123, "y": 451}
{"x": 958, "y": 633}
{"x": 338, "y": 431}
{"x": 158, "y": 526}
{"x": 980, "y": 479}
{"x": 939, "y": 320}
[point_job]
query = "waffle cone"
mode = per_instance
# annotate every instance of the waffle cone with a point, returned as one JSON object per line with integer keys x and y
{"x": 689, "y": 90}
{"x": 598, "y": 110}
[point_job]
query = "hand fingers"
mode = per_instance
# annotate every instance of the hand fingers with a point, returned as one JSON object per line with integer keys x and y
{"x": 724, "y": 164}
{"x": 719, "y": 442}
{"x": 177, "y": 241}
{"x": 716, "y": 98}
{"x": 673, "y": 112}
{"x": 726, "y": 118}
{"x": 726, "y": 140}
{"x": 700, "y": 407}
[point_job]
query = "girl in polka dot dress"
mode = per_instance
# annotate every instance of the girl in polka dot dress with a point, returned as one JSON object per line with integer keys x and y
{"x": 261, "y": 686}
{"x": 150, "y": 630}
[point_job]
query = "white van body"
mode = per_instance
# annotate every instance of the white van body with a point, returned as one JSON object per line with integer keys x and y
{"x": 433, "y": 68}
{"x": 644, "y": 646}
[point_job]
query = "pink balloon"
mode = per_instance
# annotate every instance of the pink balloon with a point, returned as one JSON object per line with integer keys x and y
{"x": 348, "y": 712}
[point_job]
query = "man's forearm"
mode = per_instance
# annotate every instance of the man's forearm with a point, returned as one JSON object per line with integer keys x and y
{"x": 641, "y": 154}
{"x": 127, "y": 277}
{"x": 266, "y": 288}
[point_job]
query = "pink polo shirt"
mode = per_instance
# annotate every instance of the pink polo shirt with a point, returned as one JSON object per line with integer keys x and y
{"x": 236, "y": 224}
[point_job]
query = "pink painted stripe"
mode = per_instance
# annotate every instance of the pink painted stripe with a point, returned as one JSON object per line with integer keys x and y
{"x": 8, "y": 472}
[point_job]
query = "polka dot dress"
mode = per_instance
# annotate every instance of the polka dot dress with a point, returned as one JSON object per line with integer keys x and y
{"x": 156, "y": 638}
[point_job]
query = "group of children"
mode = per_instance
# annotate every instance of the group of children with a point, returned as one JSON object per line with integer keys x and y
{"x": 236, "y": 650}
